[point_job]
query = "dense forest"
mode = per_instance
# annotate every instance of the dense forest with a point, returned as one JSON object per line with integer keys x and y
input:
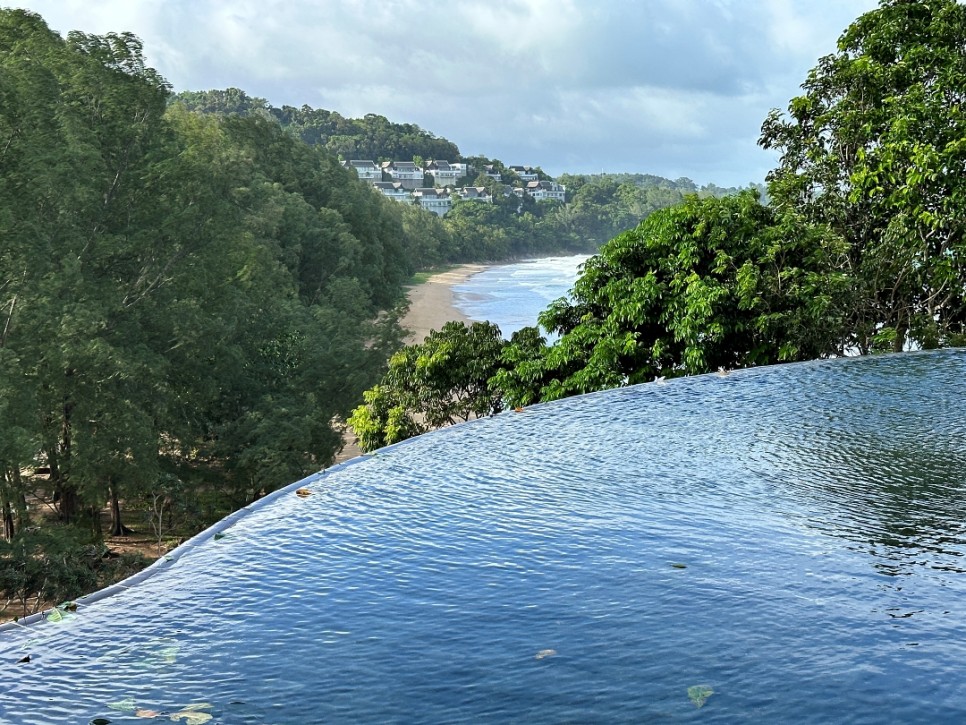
{"x": 860, "y": 249}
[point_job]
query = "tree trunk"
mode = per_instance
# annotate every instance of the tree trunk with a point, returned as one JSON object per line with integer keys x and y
{"x": 5, "y": 512}
{"x": 68, "y": 503}
{"x": 97, "y": 531}
{"x": 117, "y": 527}
{"x": 20, "y": 502}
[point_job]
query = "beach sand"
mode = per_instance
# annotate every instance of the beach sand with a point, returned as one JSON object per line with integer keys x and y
{"x": 431, "y": 303}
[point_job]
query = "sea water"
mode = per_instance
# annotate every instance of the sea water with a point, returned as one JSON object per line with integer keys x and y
{"x": 512, "y": 295}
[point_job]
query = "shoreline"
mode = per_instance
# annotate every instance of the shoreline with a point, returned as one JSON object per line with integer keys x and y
{"x": 431, "y": 303}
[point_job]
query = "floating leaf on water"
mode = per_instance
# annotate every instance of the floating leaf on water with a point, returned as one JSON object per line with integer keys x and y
{"x": 699, "y": 694}
{"x": 518, "y": 409}
{"x": 219, "y": 536}
{"x": 126, "y": 705}
{"x": 678, "y": 565}
{"x": 544, "y": 653}
{"x": 191, "y": 717}
{"x": 23, "y": 660}
{"x": 67, "y": 606}
{"x": 195, "y": 706}
{"x": 143, "y": 712}
{"x": 54, "y": 615}
{"x": 303, "y": 492}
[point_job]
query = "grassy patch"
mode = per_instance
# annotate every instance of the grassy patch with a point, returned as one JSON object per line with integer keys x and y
{"x": 423, "y": 276}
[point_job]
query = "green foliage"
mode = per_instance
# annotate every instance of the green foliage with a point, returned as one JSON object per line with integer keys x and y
{"x": 873, "y": 151}
{"x": 710, "y": 283}
{"x": 55, "y": 565}
{"x": 371, "y": 137}
{"x": 441, "y": 381}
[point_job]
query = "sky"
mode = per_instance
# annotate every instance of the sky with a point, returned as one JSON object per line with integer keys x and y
{"x": 676, "y": 88}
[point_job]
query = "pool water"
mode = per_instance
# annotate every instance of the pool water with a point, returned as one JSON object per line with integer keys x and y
{"x": 781, "y": 544}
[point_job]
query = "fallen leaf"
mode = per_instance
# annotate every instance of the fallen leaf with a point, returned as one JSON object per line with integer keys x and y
{"x": 699, "y": 694}
{"x": 678, "y": 565}
{"x": 303, "y": 492}
{"x": 544, "y": 653}
{"x": 146, "y": 713}
{"x": 191, "y": 717}
{"x": 126, "y": 705}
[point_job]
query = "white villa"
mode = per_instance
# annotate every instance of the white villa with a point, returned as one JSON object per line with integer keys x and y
{"x": 432, "y": 199}
{"x": 546, "y": 190}
{"x": 366, "y": 170}
{"x": 405, "y": 172}
{"x": 443, "y": 172}
{"x": 526, "y": 173}
{"x": 394, "y": 190}
{"x": 475, "y": 193}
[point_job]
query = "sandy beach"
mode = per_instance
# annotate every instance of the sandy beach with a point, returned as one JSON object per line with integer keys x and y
{"x": 431, "y": 303}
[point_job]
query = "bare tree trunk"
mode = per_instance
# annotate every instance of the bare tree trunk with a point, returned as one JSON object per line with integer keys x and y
{"x": 5, "y": 511}
{"x": 20, "y": 501}
{"x": 117, "y": 526}
{"x": 97, "y": 531}
{"x": 68, "y": 504}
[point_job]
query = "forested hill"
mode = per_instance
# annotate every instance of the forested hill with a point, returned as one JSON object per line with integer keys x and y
{"x": 371, "y": 137}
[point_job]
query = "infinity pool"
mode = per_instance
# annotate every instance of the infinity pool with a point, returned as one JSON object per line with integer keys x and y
{"x": 782, "y": 544}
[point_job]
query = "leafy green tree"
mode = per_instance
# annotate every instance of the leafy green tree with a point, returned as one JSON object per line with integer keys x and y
{"x": 711, "y": 283}
{"x": 441, "y": 381}
{"x": 874, "y": 151}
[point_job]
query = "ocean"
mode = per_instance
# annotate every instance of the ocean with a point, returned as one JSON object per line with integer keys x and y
{"x": 512, "y": 295}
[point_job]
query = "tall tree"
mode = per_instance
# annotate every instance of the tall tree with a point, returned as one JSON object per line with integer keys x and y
{"x": 874, "y": 151}
{"x": 710, "y": 283}
{"x": 441, "y": 381}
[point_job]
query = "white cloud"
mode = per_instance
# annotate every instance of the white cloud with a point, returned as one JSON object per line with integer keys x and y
{"x": 672, "y": 87}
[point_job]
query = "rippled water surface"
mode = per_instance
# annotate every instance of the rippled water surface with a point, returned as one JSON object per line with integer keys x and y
{"x": 777, "y": 545}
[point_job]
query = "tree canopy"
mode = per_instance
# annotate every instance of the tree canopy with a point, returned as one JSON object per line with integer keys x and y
{"x": 441, "y": 381}
{"x": 874, "y": 151}
{"x": 371, "y": 137}
{"x": 706, "y": 284}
